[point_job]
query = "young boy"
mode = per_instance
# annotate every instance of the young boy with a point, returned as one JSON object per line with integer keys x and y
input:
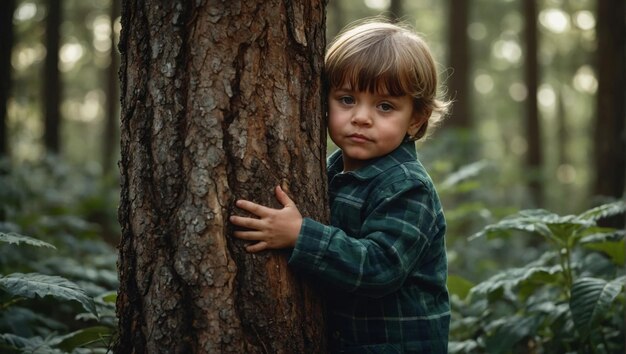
{"x": 383, "y": 255}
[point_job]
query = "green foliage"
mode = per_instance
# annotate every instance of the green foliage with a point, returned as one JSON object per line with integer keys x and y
{"x": 569, "y": 300}
{"x": 58, "y": 289}
{"x": 32, "y": 285}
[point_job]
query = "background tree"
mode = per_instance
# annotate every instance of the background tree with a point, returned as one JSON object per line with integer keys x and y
{"x": 111, "y": 120}
{"x": 459, "y": 60}
{"x": 6, "y": 44}
{"x": 610, "y": 128}
{"x": 220, "y": 100}
{"x": 534, "y": 159}
{"x": 396, "y": 9}
{"x": 52, "y": 77}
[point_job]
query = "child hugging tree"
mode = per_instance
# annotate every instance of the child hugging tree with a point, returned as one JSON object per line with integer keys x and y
{"x": 382, "y": 259}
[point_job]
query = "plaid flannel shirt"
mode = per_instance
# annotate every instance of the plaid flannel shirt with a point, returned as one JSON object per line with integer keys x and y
{"x": 383, "y": 257}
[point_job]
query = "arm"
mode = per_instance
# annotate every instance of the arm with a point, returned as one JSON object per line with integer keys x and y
{"x": 274, "y": 228}
{"x": 398, "y": 228}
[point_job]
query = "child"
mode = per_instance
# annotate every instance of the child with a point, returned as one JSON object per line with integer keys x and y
{"x": 383, "y": 255}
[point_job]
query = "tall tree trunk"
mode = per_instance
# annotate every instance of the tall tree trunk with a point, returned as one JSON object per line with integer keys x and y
{"x": 459, "y": 60}
{"x": 610, "y": 132}
{"x": 52, "y": 86}
{"x": 534, "y": 158}
{"x": 220, "y": 100}
{"x": 337, "y": 14}
{"x": 396, "y": 9}
{"x": 7, "y": 7}
{"x": 112, "y": 102}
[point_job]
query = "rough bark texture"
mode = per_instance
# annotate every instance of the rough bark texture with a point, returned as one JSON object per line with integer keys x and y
{"x": 220, "y": 100}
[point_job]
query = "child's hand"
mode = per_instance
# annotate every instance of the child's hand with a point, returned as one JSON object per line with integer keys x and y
{"x": 274, "y": 228}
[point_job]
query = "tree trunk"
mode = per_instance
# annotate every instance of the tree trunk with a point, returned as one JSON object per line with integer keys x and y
{"x": 112, "y": 102}
{"x": 7, "y": 7}
{"x": 220, "y": 100}
{"x": 459, "y": 60}
{"x": 52, "y": 86}
{"x": 396, "y": 9}
{"x": 534, "y": 158}
{"x": 610, "y": 132}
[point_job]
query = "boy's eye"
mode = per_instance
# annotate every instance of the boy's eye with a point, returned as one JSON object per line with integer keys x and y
{"x": 346, "y": 100}
{"x": 385, "y": 107}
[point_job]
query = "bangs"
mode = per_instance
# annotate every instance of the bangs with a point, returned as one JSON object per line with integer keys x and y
{"x": 380, "y": 69}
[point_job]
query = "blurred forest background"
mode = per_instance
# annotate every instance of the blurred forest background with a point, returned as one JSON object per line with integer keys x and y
{"x": 537, "y": 125}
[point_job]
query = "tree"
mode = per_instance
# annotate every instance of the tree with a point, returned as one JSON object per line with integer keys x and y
{"x": 52, "y": 86}
{"x": 220, "y": 100}
{"x": 459, "y": 60}
{"x": 534, "y": 158}
{"x": 111, "y": 116}
{"x": 610, "y": 127}
{"x": 396, "y": 9}
{"x": 6, "y": 44}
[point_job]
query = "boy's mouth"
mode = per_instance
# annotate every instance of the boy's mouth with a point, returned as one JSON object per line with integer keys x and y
{"x": 360, "y": 138}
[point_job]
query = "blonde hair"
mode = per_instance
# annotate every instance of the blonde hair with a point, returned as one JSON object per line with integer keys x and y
{"x": 386, "y": 58}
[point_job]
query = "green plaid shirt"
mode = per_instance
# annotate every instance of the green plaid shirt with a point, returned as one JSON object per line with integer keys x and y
{"x": 383, "y": 258}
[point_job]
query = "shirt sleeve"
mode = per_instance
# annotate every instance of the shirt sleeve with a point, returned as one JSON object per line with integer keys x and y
{"x": 399, "y": 225}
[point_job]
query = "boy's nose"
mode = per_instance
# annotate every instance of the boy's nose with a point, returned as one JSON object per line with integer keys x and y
{"x": 361, "y": 116}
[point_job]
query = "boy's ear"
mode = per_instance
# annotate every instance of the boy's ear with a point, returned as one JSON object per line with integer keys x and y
{"x": 417, "y": 121}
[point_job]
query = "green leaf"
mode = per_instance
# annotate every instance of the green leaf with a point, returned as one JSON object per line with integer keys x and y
{"x": 464, "y": 173}
{"x": 85, "y": 337}
{"x": 466, "y": 346}
{"x": 35, "y": 345}
{"x": 31, "y": 285}
{"x": 605, "y": 210}
{"x": 615, "y": 250}
{"x": 459, "y": 286}
{"x": 526, "y": 220}
{"x": 559, "y": 229}
{"x": 15, "y": 238}
{"x": 532, "y": 276}
{"x": 510, "y": 333}
{"x": 109, "y": 297}
{"x": 591, "y": 299}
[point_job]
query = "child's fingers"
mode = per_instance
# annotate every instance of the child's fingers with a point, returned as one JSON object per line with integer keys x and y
{"x": 249, "y": 235}
{"x": 248, "y": 223}
{"x": 251, "y": 207}
{"x": 257, "y": 247}
{"x": 282, "y": 197}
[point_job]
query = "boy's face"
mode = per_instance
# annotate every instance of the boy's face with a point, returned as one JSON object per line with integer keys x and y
{"x": 368, "y": 125}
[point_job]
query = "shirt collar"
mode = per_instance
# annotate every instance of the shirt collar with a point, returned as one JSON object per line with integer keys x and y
{"x": 403, "y": 153}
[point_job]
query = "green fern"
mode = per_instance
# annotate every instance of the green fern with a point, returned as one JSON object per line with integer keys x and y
{"x": 15, "y": 238}
{"x": 31, "y": 285}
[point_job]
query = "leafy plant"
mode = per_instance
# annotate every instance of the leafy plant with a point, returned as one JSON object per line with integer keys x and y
{"x": 569, "y": 300}
{"x": 19, "y": 286}
{"x": 58, "y": 289}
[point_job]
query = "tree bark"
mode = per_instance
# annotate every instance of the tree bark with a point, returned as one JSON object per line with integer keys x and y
{"x": 7, "y": 8}
{"x": 220, "y": 100}
{"x": 610, "y": 127}
{"x": 52, "y": 86}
